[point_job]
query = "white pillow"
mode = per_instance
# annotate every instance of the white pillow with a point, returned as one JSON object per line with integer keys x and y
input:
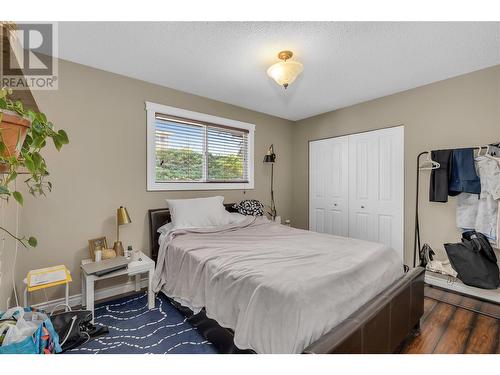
{"x": 198, "y": 212}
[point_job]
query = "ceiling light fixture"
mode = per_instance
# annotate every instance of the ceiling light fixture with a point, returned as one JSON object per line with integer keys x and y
{"x": 285, "y": 71}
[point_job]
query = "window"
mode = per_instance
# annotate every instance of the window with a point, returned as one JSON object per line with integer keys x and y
{"x": 195, "y": 151}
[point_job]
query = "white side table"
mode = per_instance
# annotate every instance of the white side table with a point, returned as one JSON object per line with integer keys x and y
{"x": 136, "y": 268}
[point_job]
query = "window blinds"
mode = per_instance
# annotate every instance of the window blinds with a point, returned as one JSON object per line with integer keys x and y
{"x": 192, "y": 151}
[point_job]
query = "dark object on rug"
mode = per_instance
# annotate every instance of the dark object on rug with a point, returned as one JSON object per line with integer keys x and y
{"x": 75, "y": 328}
{"x": 474, "y": 260}
{"x": 222, "y": 338}
{"x": 250, "y": 207}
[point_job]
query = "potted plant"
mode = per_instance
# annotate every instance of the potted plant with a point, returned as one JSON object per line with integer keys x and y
{"x": 23, "y": 136}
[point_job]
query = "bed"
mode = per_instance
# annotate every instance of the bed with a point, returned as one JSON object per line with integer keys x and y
{"x": 263, "y": 287}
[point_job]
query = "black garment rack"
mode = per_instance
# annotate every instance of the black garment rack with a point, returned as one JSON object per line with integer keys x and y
{"x": 417, "y": 245}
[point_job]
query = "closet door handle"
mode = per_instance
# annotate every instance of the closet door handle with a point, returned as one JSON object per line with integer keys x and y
{"x": 335, "y": 204}
{"x": 362, "y": 206}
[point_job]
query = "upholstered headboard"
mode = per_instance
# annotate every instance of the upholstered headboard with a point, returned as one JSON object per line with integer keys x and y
{"x": 159, "y": 217}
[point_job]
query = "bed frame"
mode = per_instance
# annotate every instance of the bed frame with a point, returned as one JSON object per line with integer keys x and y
{"x": 379, "y": 326}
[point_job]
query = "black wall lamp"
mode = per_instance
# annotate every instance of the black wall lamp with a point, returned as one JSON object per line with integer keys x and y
{"x": 270, "y": 157}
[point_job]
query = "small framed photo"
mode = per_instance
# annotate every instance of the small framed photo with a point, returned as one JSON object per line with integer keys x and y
{"x": 99, "y": 243}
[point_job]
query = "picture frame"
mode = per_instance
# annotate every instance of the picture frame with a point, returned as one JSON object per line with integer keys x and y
{"x": 99, "y": 243}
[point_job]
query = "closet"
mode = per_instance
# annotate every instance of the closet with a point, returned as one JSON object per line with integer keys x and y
{"x": 356, "y": 186}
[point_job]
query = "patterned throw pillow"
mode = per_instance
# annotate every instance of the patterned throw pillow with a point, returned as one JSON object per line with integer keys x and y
{"x": 250, "y": 207}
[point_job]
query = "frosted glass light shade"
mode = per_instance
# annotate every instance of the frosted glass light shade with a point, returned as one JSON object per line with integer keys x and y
{"x": 285, "y": 72}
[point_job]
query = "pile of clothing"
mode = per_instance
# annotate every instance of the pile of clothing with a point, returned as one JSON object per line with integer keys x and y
{"x": 476, "y": 183}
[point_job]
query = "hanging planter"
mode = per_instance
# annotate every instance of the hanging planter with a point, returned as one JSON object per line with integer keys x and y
{"x": 23, "y": 136}
{"x": 13, "y": 129}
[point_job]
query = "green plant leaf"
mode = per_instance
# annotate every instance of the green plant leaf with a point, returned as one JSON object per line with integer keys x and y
{"x": 37, "y": 159}
{"x": 41, "y": 117}
{"x": 19, "y": 108}
{"x": 31, "y": 115}
{"x": 36, "y": 126}
{"x": 28, "y": 162}
{"x": 18, "y": 197}
{"x": 12, "y": 177}
{"x": 63, "y": 137}
{"x": 57, "y": 143}
{"x": 37, "y": 140}
{"x": 4, "y": 190}
{"x": 32, "y": 241}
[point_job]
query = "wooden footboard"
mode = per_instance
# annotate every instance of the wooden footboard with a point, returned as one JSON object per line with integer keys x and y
{"x": 382, "y": 324}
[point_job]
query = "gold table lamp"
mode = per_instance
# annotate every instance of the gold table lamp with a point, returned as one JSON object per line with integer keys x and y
{"x": 122, "y": 217}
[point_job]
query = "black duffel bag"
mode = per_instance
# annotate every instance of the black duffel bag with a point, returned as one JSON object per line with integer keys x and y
{"x": 474, "y": 260}
{"x": 75, "y": 328}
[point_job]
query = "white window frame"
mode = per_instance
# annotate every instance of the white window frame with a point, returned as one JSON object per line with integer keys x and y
{"x": 152, "y": 185}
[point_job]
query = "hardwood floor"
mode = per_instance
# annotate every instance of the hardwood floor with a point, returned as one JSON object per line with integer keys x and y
{"x": 447, "y": 329}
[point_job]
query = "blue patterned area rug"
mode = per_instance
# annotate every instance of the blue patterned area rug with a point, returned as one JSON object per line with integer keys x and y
{"x": 133, "y": 329}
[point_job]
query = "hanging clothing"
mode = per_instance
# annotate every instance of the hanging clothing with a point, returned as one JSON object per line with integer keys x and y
{"x": 489, "y": 172}
{"x": 482, "y": 214}
{"x": 438, "y": 188}
{"x": 463, "y": 176}
{"x": 467, "y": 205}
{"x": 494, "y": 151}
{"x": 497, "y": 243}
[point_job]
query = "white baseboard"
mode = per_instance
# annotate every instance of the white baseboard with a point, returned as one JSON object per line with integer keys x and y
{"x": 76, "y": 299}
{"x": 442, "y": 281}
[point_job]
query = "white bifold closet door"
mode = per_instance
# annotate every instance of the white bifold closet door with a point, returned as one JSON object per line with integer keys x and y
{"x": 356, "y": 186}
{"x": 328, "y": 203}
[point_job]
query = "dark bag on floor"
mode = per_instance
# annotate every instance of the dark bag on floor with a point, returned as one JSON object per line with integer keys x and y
{"x": 474, "y": 260}
{"x": 75, "y": 328}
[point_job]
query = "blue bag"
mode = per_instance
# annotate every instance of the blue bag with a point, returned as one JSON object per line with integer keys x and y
{"x": 43, "y": 341}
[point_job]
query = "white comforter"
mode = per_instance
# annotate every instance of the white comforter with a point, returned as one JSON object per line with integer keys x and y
{"x": 278, "y": 288}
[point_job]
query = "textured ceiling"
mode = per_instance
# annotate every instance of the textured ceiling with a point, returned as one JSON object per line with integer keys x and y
{"x": 344, "y": 62}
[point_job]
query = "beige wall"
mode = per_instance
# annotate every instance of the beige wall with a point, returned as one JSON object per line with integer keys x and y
{"x": 462, "y": 111}
{"x": 104, "y": 166}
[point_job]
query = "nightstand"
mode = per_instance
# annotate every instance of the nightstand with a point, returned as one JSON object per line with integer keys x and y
{"x": 135, "y": 268}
